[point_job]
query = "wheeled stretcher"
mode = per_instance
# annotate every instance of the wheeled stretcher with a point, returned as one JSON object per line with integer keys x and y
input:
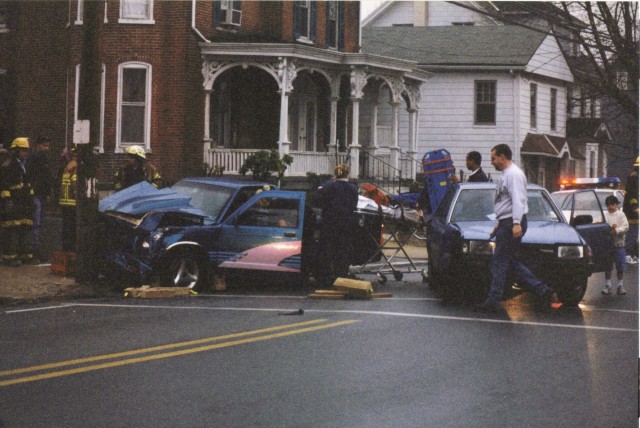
{"x": 393, "y": 254}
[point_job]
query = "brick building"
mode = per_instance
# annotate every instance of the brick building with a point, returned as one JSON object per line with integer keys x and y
{"x": 199, "y": 82}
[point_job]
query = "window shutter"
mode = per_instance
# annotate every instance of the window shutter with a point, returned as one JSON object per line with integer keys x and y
{"x": 297, "y": 16}
{"x": 313, "y": 19}
{"x": 341, "y": 26}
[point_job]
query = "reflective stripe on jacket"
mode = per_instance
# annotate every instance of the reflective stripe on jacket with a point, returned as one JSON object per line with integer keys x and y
{"x": 68, "y": 185}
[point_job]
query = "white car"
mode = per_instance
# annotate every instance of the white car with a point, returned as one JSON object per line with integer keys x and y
{"x": 564, "y": 198}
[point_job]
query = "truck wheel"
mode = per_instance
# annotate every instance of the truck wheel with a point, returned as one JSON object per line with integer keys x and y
{"x": 573, "y": 292}
{"x": 185, "y": 268}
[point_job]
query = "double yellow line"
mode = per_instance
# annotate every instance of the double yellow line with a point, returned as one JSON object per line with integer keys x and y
{"x": 88, "y": 364}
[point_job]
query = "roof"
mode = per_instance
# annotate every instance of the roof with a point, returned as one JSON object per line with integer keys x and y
{"x": 587, "y": 128}
{"x": 548, "y": 145}
{"x": 507, "y": 45}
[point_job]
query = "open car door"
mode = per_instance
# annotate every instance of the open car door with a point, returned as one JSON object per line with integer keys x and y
{"x": 588, "y": 219}
{"x": 264, "y": 234}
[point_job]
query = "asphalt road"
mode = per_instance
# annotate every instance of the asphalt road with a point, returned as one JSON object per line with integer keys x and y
{"x": 235, "y": 359}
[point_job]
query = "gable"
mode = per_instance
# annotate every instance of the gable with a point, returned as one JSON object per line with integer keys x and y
{"x": 549, "y": 61}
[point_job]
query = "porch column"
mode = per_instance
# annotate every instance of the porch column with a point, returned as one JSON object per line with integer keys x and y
{"x": 207, "y": 122}
{"x": 415, "y": 95}
{"x": 394, "y": 136}
{"x": 413, "y": 116}
{"x": 354, "y": 152}
{"x": 373, "y": 149}
{"x": 286, "y": 74}
{"x": 333, "y": 125}
{"x": 358, "y": 82}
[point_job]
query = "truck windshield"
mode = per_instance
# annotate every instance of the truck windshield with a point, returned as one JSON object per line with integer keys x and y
{"x": 209, "y": 198}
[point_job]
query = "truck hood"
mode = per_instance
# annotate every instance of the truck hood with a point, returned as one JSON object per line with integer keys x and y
{"x": 143, "y": 197}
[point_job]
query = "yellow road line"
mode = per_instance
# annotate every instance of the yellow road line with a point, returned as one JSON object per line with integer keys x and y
{"x": 154, "y": 348}
{"x": 169, "y": 354}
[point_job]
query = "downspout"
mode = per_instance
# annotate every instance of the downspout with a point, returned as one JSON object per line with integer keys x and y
{"x": 359, "y": 30}
{"x": 66, "y": 94}
{"x": 516, "y": 117}
{"x": 193, "y": 22}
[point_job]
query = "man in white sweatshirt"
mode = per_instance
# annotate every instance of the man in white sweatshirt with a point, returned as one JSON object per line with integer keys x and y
{"x": 511, "y": 207}
{"x": 619, "y": 228}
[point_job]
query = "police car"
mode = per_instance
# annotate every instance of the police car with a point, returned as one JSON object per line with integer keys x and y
{"x": 602, "y": 186}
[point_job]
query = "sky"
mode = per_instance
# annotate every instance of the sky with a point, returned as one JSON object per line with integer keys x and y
{"x": 368, "y": 6}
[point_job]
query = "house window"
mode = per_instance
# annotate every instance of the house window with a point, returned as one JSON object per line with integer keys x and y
{"x": 332, "y": 24}
{"x": 622, "y": 78}
{"x": 554, "y": 106}
{"x": 305, "y": 20}
{"x": 230, "y": 12}
{"x": 533, "y": 105}
{"x": 592, "y": 160}
{"x": 76, "y": 103}
{"x": 136, "y": 11}
{"x": 134, "y": 104}
{"x": 485, "y": 113}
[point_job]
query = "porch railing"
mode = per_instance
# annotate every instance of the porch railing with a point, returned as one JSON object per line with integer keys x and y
{"x": 303, "y": 162}
{"x": 379, "y": 171}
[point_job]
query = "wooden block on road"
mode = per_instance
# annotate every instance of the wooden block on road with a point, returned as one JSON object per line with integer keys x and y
{"x": 156, "y": 292}
{"x": 355, "y": 288}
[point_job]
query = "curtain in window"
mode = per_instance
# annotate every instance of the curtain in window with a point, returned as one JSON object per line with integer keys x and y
{"x": 136, "y": 9}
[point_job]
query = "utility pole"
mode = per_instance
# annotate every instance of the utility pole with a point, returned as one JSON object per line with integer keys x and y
{"x": 89, "y": 109}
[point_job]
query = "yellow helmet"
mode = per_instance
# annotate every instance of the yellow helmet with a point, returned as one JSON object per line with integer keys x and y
{"x": 20, "y": 143}
{"x": 136, "y": 151}
{"x": 637, "y": 162}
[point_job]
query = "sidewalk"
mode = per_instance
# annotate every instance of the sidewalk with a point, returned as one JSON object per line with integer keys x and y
{"x": 28, "y": 283}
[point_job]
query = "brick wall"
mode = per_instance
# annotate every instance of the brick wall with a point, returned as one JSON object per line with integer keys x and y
{"x": 44, "y": 45}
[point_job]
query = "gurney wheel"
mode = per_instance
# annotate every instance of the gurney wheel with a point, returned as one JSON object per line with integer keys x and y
{"x": 397, "y": 275}
{"x": 382, "y": 278}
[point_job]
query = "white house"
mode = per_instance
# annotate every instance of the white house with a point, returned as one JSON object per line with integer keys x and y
{"x": 491, "y": 84}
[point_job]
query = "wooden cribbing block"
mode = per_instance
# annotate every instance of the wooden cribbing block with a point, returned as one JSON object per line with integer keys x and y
{"x": 156, "y": 292}
{"x": 355, "y": 288}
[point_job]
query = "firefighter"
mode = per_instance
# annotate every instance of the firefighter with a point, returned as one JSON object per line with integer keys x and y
{"x": 136, "y": 169}
{"x": 67, "y": 200}
{"x": 16, "y": 205}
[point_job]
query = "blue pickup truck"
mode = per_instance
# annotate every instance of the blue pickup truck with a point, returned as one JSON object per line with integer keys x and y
{"x": 200, "y": 227}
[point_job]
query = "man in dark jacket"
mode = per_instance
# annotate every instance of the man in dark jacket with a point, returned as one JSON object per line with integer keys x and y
{"x": 39, "y": 175}
{"x": 473, "y": 161}
{"x": 338, "y": 199}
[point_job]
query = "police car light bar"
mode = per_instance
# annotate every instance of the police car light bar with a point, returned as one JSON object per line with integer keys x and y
{"x": 601, "y": 182}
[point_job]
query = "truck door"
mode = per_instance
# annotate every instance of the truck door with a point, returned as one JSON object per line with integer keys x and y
{"x": 264, "y": 234}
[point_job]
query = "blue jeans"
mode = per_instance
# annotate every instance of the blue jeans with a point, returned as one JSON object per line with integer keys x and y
{"x": 617, "y": 258}
{"x": 505, "y": 260}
